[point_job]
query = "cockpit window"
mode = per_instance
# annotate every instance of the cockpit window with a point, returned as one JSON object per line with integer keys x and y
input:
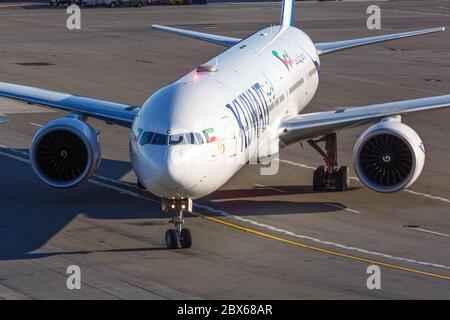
{"x": 177, "y": 139}
{"x": 149, "y": 137}
{"x": 199, "y": 138}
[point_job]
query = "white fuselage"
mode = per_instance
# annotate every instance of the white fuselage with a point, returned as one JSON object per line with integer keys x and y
{"x": 226, "y": 117}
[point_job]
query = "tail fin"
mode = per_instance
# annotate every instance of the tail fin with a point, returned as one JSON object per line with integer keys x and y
{"x": 287, "y": 13}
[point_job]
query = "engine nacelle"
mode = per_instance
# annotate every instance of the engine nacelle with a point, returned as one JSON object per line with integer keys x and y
{"x": 389, "y": 156}
{"x": 65, "y": 152}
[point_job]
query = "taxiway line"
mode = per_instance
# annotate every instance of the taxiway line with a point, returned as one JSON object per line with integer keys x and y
{"x": 432, "y": 232}
{"x": 270, "y": 188}
{"x": 267, "y": 235}
{"x": 335, "y": 253}
{"x": 420, "y": 194}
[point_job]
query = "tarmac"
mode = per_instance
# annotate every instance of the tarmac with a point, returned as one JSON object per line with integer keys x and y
{"x": 258, "y": 237}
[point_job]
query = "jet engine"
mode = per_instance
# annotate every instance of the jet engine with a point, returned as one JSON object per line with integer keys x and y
{"x": 389, "y": 156}
{"x": 65, "y": 152}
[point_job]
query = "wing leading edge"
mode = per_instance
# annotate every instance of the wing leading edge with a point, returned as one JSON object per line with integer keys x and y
{"x": 330, "y": 47}
{"x": 221, "y": 40}
{"x": 310, "y": 125}
{"x": 117, "y": 113}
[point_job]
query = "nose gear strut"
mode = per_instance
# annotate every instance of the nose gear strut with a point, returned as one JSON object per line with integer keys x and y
{"x": 178, "y": 236}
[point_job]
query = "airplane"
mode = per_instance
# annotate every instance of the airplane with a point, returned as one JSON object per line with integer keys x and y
{"x": 191, "y": 136}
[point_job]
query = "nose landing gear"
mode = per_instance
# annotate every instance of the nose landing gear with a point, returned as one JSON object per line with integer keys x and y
{"x": 330, "y": 175}
{"x": 179, "y": 236}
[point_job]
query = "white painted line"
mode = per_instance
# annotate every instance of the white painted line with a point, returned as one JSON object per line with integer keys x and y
{"x": 267, "y": 187}
{"x": 261, "y": 225}
{"x": 14, "y": 157}
{"x": 36, "y": 125}
{"x": 429, "y": 196}
{"x": 419, "y": 12}
{"x": 123, "y": 183}
{"x": 432, "y": 232}
{"x": 324, "y": 242}
{"x": 341, "y": 207}
{"x": 298, "y": 164}
{"x": 308, "y": 167}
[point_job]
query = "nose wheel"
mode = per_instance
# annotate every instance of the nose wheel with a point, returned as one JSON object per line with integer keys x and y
{"x": 179, "y": 236}
{"x": 174, "y": 239}
{"x": 329, "y": 175}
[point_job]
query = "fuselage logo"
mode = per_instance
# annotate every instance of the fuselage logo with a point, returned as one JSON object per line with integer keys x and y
{"x": 251, "y": 112}
{"x": 285, "y": 58}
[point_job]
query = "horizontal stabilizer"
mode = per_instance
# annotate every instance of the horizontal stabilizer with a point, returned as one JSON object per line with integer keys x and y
{"x": 222, "y": 40}
{"x": 330, "y": 47}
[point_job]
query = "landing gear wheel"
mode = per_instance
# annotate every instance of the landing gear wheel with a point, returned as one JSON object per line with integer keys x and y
{"x": 185, "y": 238}
{"x": 342, "y": 179}
{"x": 178, "y": 236}
{"x": 171, "y": 239}
{"x": 329, "y": 176}
{"x": 319, "y": 179}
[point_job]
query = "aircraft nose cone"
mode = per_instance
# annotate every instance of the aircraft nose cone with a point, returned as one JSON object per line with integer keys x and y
{"x": 174, "y": 167}
{"x": 165, "y": 172}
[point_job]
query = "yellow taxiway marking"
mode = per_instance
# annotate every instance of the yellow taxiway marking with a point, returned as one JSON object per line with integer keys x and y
{"x": 262, "y": 234}
{"x": 305, "y": 246}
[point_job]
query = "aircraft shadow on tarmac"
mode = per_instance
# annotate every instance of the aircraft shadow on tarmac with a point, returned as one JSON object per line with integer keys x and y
{"x": 31, "y": 213}
{"x": 265, "y": 191}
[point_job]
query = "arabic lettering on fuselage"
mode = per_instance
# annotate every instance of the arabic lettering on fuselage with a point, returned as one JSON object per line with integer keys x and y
{"x": 251, "y": 112}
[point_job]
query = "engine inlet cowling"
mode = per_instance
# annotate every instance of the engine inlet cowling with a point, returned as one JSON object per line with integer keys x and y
{"x": 389, "y": 156}
{"x": 65, "y": 152}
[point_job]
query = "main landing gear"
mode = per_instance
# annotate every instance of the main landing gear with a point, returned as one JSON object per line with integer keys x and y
{"x": 179, "y": 236}
{"x": 330, "y": 175}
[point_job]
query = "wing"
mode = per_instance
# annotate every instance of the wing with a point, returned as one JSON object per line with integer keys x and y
{"x": 117, "y": 113}
{"x": 329, "y": 47}
{"x": 310, "y": 125}
{"x": 222, "y": 40}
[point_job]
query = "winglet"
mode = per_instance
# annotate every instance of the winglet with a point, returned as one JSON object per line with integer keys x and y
{"x": 287, "y": 13}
